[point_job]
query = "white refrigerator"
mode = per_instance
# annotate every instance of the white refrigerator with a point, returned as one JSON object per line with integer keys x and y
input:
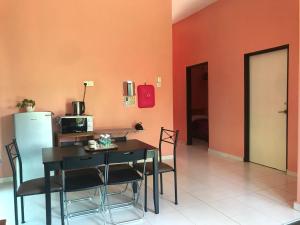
{"x": 33, "y": 131}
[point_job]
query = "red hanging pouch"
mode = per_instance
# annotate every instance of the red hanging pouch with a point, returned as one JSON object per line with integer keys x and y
{"x": 146, "y": 96}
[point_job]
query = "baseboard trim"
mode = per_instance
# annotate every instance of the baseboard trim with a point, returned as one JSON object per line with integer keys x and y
{"x": 297, "y": 206}
{"x": 224, "y": 155}
{"x": 291, "y": 173}
{"x": 5, "y": 180}
{"x": 164, "y": 157}
{"x": 167, "y": 157}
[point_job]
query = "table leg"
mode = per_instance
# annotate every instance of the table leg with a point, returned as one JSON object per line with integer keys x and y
{"x": 155, "y": 183}
{"x": 47, "y": 194}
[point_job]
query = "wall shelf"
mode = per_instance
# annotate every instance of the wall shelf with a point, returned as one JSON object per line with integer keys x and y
{"x": 84, "y": 136}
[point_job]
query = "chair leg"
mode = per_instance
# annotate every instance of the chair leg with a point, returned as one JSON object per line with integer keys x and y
{"x": 175, "y": 185}
{"x": 108, "y": 206}
{"x": 142, "y": 208}
{"x": 161, "y": 184}
{"x": 145, "y": 200}
{"x": 22, "y": 209}
{"x": 16, "y": 209}
{"x": 66, "y": 206}
{"x": 102, "y": 204}
{"x": 62, "y": 213}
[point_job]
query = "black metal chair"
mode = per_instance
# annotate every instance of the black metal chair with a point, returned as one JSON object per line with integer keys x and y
{"x": 117, "y": 166}
{"x": 125, "y": 175}
{"x": 79, "y": 174}
{"x": 169, "y": 137}
{"x": 29, "y": 187}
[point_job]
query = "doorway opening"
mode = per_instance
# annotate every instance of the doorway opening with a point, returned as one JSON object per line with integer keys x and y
{"x": 266, "y": 107}
{"x": 197, "y": 102}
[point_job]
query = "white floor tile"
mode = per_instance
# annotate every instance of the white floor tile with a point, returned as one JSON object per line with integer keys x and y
{"x": 211, "y": 191}
{"x": 203, "y": 214}
{"x": 175, "y": 218}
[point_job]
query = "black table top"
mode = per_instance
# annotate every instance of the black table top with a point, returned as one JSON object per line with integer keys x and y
{"x": 56, "y": 154}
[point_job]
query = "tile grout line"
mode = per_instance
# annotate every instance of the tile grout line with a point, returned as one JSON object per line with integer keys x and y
{"x": 206, "y": 203}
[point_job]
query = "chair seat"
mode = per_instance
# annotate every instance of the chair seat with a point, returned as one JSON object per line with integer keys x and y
{"x": 83, "y": 179}
{"x": 37, "y": 186}
{"x": 120, "y": 176}
{"x": 162, "y": 168}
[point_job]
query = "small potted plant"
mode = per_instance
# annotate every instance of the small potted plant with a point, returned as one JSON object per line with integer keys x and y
{"x": 28, "y": 104}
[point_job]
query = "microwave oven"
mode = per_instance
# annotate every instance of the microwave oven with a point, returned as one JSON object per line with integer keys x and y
{"x": 76, "y": 124}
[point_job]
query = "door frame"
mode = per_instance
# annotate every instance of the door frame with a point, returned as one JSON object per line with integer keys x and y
{"x": 247, "y": 98}
{"x": 189, "y": 137}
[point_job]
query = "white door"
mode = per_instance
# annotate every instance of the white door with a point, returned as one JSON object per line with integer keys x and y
{"x": 268, "y": 107}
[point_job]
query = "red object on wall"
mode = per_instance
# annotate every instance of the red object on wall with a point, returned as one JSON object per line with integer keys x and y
{"x": 146, "y": 96}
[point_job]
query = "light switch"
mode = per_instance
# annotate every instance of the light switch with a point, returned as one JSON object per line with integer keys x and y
{"x": 158, "y": 81}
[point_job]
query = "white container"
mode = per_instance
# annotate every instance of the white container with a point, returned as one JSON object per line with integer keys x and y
{"x": 29, "y": 108}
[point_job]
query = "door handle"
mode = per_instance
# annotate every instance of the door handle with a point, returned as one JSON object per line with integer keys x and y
{"x": 283, "y": 111}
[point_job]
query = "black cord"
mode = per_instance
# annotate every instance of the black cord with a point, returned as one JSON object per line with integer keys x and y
{"x": 84, "y": 91}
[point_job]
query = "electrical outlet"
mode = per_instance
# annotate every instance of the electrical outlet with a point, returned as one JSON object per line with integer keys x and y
{"x": 89, "y": 83}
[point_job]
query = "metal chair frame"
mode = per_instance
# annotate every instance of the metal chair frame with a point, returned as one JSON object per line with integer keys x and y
{"x": 169, "y": 137}
{"x": 83, "y": 162}
{"x": 14, "y": 157}
{"x": 126, "y": 158}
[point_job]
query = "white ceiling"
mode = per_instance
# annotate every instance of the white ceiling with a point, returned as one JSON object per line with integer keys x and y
{"x": 184, "y": 8}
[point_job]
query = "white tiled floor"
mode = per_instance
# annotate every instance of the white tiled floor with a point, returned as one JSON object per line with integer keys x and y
{"x": 212, "y": 191}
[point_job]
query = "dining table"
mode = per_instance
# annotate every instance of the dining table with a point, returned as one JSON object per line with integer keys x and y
{"x": 53, "y": 158}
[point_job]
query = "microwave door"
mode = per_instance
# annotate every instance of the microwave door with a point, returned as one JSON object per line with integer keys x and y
{"x": 73, "y": 125}
{"x": 81, "y": 125}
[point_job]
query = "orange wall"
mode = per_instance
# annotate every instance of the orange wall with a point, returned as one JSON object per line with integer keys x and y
{"x": 221, "y": 34}
{"x": 48, "y": 48}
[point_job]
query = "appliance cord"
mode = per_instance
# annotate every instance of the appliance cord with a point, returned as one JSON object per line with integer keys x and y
{"x": 84, "y": 92}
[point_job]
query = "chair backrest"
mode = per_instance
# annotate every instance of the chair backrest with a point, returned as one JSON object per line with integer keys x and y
{"x": 169, "y": 137}
{"x": 14, "y": 158}
{"x": 125, "y": 157}
{"x": 86, "y": 161}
